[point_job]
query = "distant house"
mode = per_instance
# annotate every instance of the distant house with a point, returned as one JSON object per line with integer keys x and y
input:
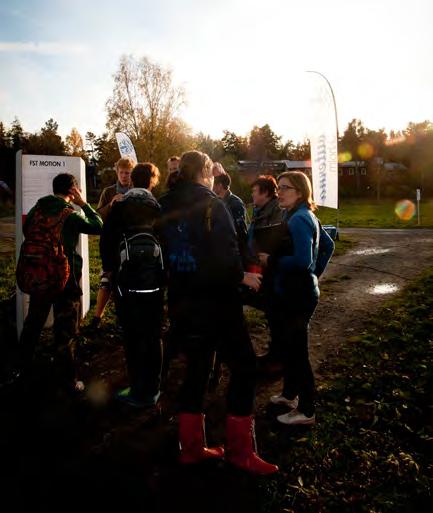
{"x": 250, "y": 169}
{"x": 353, "y": 175}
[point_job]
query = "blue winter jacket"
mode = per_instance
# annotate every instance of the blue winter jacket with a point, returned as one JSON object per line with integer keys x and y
{"x": 296, "y": 274}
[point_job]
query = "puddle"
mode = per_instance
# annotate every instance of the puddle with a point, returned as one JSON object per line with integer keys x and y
{"x": 372, "y": 251}
{"x": 383, "y": 288}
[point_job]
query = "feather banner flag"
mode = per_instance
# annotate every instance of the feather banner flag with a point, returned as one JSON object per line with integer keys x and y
{"x": 323, "y": 135}
{"x": 126, "y": 148}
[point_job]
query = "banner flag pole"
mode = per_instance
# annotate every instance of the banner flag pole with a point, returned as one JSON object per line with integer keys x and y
{"x": 324, "y": 145}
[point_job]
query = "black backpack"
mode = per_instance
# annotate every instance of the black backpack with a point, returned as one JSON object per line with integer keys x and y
{"x": 141, "y": 269}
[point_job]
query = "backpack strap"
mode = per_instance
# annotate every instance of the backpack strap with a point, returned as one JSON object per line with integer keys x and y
{"x": 208, "y": 218}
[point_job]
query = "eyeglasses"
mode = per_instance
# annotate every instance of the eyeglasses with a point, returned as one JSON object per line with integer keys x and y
{"x": 284, "y": 187}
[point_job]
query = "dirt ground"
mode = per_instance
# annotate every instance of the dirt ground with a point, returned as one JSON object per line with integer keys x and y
{"x": 356, "y": 284}
{"x": 67, "y": 454}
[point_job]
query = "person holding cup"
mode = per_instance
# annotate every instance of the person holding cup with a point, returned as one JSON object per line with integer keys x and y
{"x": 296, "y": 293}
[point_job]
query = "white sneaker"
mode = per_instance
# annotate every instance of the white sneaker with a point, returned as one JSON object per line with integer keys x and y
{"x": 280, "y": 399}
{"x": 295, "y": 417}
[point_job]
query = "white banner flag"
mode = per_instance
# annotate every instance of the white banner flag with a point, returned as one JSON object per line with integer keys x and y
{"x": 126, "y": 148}
{"x": 323, "y": 140}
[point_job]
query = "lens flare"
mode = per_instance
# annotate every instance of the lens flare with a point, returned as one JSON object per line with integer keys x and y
{"x": 405, "y": 210}
{"x": 365, "y": 151}
{"x": 383, "y": 288}
{"x": 344, "y": 156}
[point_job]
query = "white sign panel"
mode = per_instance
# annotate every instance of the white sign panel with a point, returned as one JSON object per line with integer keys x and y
{"x": 34, "y": 177}
{"x": 323, "y": 140}
{"x": 418, "y": 194}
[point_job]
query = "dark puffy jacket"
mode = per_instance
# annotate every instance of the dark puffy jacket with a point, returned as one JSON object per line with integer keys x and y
{"x": 196, "y": 223}
{"x": 136, "y": 213}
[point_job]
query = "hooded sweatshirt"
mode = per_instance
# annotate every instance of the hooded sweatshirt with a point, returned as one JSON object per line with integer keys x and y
{"x": 88, "y": 221}
{"x": 136, "y": 212}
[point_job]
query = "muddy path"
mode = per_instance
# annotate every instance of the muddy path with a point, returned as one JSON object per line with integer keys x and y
{"x": 355, "y": 285}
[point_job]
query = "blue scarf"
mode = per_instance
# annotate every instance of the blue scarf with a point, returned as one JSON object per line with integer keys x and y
{"x": 120, "y": 189}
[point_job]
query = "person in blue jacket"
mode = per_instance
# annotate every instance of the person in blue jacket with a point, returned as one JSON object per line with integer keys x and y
{"x": 296, "y": 292}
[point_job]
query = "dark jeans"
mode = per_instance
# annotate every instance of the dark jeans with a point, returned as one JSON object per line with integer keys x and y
{"x": 263, "y": 300}
{"x": 298, "y": 374}
{"x": 224, "y": 331}
{"x": 67, "y": 309}
{"x": 141, "y": 318}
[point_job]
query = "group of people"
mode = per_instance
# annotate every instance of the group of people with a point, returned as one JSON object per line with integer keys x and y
{"x": 195, "y": 243}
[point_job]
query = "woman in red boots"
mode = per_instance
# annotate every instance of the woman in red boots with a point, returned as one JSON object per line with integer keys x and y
{"x": 204, "y": 272}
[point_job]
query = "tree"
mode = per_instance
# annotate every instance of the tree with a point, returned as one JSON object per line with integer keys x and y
{"x": 47, "y": 141}
{"x": 145, "y": 104}
{"x": 419, "y": 138}
{"x": 372, "y": 150}
{"x": 264, "y": 144}
{"x": 74, "y": 144}
{"x": 302, "y": 151}
{"x": 90, "y": 140}
{"x": 16, "y": 135}
{"x": 350, "y": 142}
{"x": 106, "y": 151}
{"x": 352, "y": 137}
{"x": 206, "y": 144}
{"x": 4, "y": 138}
{"x": 7, "y": 157}
{"x": 288, "y": 150}
{"x": 235, "y": 145}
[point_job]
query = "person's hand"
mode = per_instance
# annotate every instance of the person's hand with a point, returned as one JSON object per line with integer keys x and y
{"x": 116, "y": 197}
{"x": 76, "y": 197}
{"x": 252, "y": 280}
{"x": 263, "y": 257}
{"x": 218, "y": 170}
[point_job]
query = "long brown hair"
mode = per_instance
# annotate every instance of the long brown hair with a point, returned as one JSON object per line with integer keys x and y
{"x": 194, "y": 164}
{"x": 302, "y": 183}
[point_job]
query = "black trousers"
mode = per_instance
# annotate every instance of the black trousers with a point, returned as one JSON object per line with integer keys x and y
{"x": 223, "y": 329}
{"x": 141, "y": 318}
{"x": 263, "y": 300}
{"x": 298, "y": 374}
{"x": 67, "y": 308}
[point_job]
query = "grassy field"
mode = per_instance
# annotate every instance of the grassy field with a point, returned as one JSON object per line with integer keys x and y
{"x": 362, "y": 213}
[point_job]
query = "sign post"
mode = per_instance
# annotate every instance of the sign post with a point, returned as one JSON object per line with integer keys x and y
{"x": 418, "y": 199}
{"x": 34, "y": 177}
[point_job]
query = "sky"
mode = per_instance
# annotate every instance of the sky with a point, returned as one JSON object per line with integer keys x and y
{"x": 241, "y": 62}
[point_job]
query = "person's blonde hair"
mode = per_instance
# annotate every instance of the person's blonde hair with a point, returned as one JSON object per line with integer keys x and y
{"x": 302, "y": 184}
{"x": 125, "y": 163}
{"x": 194, "y": 164}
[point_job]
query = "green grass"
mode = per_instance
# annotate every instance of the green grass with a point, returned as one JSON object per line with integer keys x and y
{"x": 363, "y": 213}
{"x": 7, "y": 276}
{"x": 372, "y": 449}
{"x": 7, "y": 210}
